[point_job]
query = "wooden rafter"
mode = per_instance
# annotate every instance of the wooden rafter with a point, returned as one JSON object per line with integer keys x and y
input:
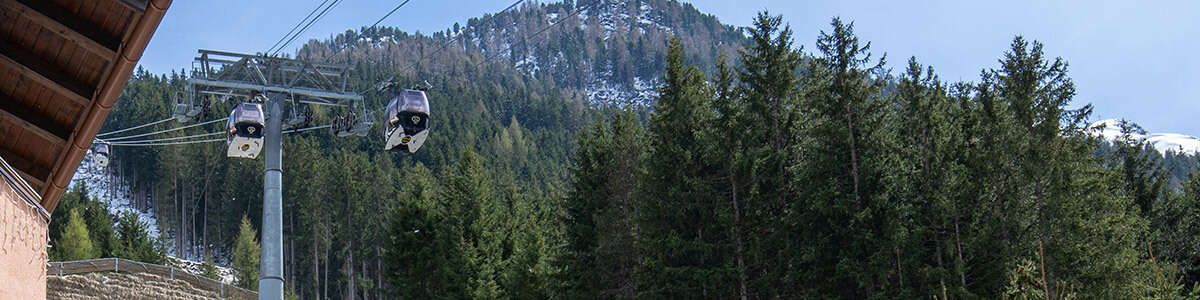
{"x": 138, "y": 5}
{"x": 33, "y": 173}
{"x": 28, "y": 120}
{"x": 33, "y": 67}
{"x": 54, "y": 19}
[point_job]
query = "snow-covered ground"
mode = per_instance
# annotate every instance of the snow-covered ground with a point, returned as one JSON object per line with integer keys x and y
{"x": 1110, "y": 129}
{"x": 602, "y": 92}
{"x": 106, "y": 188}
{"x": 103, "y": 187}
{"x": 197, "y": 268}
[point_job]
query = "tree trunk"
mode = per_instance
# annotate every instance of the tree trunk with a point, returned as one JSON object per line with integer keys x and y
{"x": 739, "y": 244}
{"x": 363, "y": 265}
{"x": 325, "y": 281}
{"x": 349, "y": 267}
{"x": 962, "y": 274}
{"x": 378, "y": 273}
{"x": 316, "y": 267}
{"x": 852, "y": 139}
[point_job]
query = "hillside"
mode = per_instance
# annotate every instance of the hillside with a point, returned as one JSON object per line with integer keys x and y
{"x": 612, "y": 51}
{"x": 602, "y": 159}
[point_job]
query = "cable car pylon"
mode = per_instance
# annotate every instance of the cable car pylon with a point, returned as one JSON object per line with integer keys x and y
{"x": 253, "y": 78}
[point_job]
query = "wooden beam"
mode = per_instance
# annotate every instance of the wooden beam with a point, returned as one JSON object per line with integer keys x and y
{"x": 41, "y": 120}
{"x": 33, "y": 173}
{"x": 70, "y": 20}
{"x": 61, "y": 23}
{"x": 24, "y": 122}
{"x": 136, "y": 5}
{"x": 48, "y": 75}
{"x": 34, "y": 182}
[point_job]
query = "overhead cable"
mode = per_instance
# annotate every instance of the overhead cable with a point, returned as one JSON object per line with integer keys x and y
{"x": 289, "y": 131}
{"x": 136, "y": 127}
{"x": 166, "y": 130}
{"x": 306, "y": 26}
{"x": 285, "y": 36}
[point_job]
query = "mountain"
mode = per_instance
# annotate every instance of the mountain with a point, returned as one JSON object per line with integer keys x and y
{"x": 531, "y": 187}
{"x": 611, "y": 51}
{"x": 1110, "y": 129}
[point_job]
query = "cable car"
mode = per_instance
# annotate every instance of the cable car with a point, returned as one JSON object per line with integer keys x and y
{"x": 245, "y": 131}
{"x": 407, "y": 123}
{"x": 101, "y": 155}
{"x": 186, "y": 106}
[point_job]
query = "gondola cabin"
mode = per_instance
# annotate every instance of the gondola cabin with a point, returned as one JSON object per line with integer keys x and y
{"x": 407, "y": 121}
{"x": 102, "y": 155}
{"x": 245, "y": 131}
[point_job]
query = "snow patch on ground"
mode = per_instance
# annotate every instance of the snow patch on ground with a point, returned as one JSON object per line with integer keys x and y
{"x": 375, "y": 41}
{"x": 103, "y": 186}
{"x": 602, "y": 92}
{"x": 226, "y": 274}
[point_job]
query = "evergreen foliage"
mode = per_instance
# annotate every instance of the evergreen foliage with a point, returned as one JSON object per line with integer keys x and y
{"x": 75, "y": 243}
{"x": 209, "y": 270}
{"x": 245, "y": 256}
{"x": 134, "y": 242}
{"x": 770, "y": 173}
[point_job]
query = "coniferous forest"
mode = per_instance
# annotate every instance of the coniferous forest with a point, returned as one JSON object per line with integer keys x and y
{"x": 758, "y": 170}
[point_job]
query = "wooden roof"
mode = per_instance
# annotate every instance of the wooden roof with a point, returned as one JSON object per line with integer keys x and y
{"x": 62, "y": 65}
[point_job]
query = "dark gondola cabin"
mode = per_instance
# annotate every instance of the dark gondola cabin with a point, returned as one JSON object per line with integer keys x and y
{"x": 102, "y": 154}
{"x": 407, "y": 123}
{"x": 245, "y": 131}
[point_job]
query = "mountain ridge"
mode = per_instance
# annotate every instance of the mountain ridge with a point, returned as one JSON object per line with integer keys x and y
{"x": 1110, "y": 130}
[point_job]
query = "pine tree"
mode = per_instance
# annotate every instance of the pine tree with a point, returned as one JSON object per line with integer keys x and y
{"x": 927, "y": 181}
{"x": 134, "y": 243}
{"x": 600, "y": 209}
{"x": 855, "y": 230}
{"x": 423, "y": 257}
{"x": 1062, "y": 210}
{"x": 762, "y": 110}
{"x": 683, "y": 227}
{"x": 75, "y": 243}
{"x": 208, "y": 269}
{"x": 245, "y": 256}
{"x": 1178, "y": 231}
{"x": 472, "y": 206}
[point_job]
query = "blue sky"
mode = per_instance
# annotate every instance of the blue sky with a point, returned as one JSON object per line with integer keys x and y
{"x": 1138, "y": 60}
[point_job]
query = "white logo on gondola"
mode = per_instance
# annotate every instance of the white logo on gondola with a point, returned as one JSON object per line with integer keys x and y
{"x": 416, "y": 119}
{"x": 250, "y": 129}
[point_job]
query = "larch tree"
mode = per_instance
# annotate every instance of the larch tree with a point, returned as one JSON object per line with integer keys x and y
{"x": 246, "y": 256}
{"x": 75, "y": 243}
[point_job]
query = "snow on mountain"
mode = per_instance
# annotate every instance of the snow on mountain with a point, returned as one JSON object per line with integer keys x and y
{"x": 1110, "y": 129}
{"x": 105, "y": 187}
{"x": 601, "y": 92}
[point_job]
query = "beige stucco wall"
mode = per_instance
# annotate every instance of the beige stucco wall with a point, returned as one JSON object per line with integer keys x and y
{"x": 22, "y": 242}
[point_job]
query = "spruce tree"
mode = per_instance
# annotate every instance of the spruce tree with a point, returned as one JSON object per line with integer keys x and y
{"x": 684, "y": 227}
{"x": 600, "y": 223}
{"x": 760, "y": 115}
{"x": 1061, "y": 211}
{"x": 1178, "y": 231}
{"x": 134, "y": 243}
{"x": 208, "y": 268}
{"x": 854, "y": 229}
{"x": 245, "y": 256}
